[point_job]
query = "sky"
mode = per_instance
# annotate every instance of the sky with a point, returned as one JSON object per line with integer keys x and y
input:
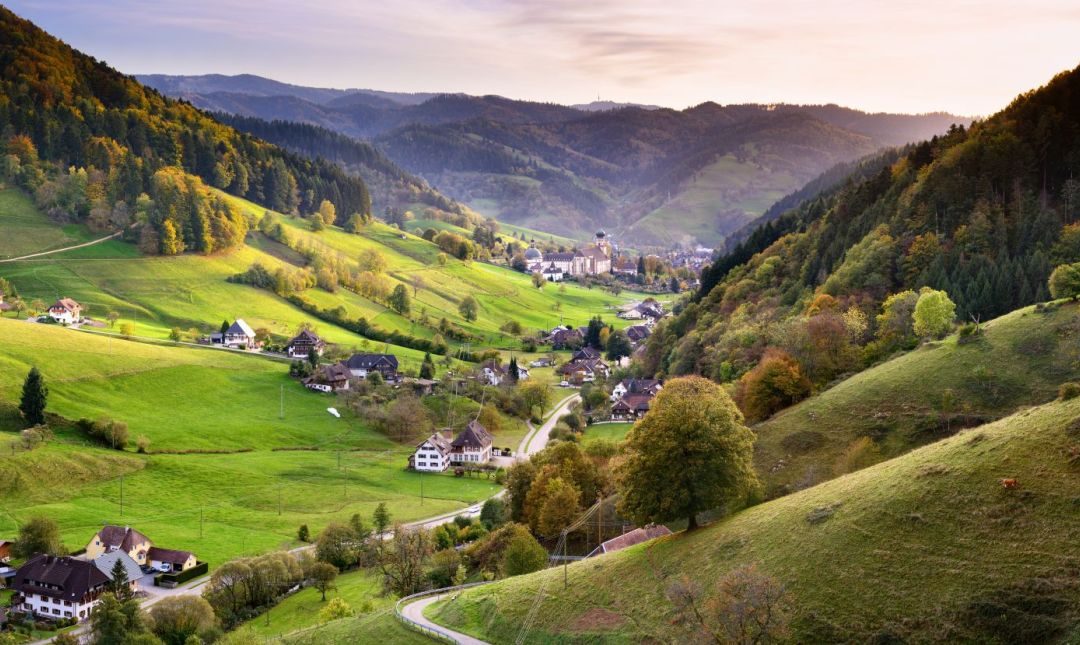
{"x": 965, "y": 57}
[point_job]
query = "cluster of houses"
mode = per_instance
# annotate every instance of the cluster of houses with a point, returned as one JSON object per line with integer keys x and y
{"x": 649, "y": 311}
{"x": 630, "y": 398}
{"x": 69, "y": 587}
{"x": 584, "y": 366}
{"x": 593, "y": 259}
{"x": 472, "y": 447}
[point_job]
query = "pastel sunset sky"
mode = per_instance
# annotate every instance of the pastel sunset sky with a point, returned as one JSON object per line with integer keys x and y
{"x": 967, "y": 57}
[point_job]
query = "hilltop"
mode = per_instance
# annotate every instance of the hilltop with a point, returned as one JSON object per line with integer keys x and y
{"x": 656, "y": 176}
{"x": 925, "y": 547}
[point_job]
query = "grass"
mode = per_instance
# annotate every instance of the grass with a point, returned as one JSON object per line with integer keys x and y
{"x": 27, "y": 230}
{"x": 606, "y": 432}
{"x": 381, "y": 627}
{"x": 192, "y": 400}
{"x": 923, "y": 395}
{"x": 361, "y": 589}
{"x": 716, "y": 201}
{"x": 925, "y": 547}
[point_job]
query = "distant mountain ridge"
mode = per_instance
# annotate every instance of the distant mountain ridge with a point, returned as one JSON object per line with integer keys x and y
{"x": 653, "y": 176}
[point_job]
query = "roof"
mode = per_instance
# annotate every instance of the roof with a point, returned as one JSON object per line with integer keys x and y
{"x": 306, "y": 336}
{"x": 120, "y": 537}
{"x": 594, "y": 253}
{"x": 637, "y": 402}
{"x": 638, "y": 332}
{"x": 559, "y": 257}
{"x": 106, "y": 562}
{"x": 72, "y": 578}
{"x": 637, "y": 536}
{"x": 172, "y": 556}
{"x": 371, "y": 361}
{"x": 493, "y": 366}
{"x": 585, "y": 353}
{"x": 474, "y": 436}
{"x": 441, "y": 443}
{"x": 533, "y": 253}
{"x": 66, "y": 303}
{"x": 241, "y": 327}
{"x": 640, "y": 385}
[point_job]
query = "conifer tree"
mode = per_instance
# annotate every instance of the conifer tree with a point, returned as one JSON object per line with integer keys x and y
{"x": 34, "y": 398}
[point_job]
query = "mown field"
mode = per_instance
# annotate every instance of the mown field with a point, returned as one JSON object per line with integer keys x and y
{"x": 922, "y": 396}
{"x": 219, "y": 450}
{"x": 927, "y": 547}
{"x": 606, "y": 432}
{"x": 26, "y": 230}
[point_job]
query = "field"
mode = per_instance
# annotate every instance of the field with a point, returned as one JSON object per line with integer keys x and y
{"x": 274, "y": 474}
{"x": 27, "y": 231}
{"x": 923, "y": 395}
{"x": 716, "y": 201}
{"x": 606, "y": 432}
{"x": 927, "y": 547}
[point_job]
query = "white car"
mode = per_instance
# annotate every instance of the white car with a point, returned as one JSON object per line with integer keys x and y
{"x": 564, "y": 384}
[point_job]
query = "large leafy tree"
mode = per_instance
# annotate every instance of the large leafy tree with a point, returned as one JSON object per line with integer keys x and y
{"x": 39, "y": 535}
{"x": 690, "y": 453}
{"x": 1065, "y": 281}
{"x": 35, "y": 395}
{"x": 934, "y": 314}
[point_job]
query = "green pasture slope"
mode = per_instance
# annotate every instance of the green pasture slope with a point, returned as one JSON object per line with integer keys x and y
{"x": 926, "y": 394}
{"x": 25, "y": 230}
{"x": 927, "y": 547}
{"x": 191, "y": 403}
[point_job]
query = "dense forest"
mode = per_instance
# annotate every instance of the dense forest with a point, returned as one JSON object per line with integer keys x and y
{"x": 981, "y": 213}
{"x": 95, "y": 146}
{"x": 391, "y": 187}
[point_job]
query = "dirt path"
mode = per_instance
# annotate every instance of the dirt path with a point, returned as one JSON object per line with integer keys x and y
{"x": 414, "y": 611}
{"x": 66, "y": 248}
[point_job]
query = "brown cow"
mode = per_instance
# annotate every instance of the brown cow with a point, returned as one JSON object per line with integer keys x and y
{"x": 1010, "y": 483}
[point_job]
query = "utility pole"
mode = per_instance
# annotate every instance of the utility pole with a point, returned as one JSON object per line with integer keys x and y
{"x": 421, "y": 488}
{"x": 565, "y": 563}
{"x": 121, "y": 495}
{"x": 200, "y": 522}
{"x": 346, "y": 483}
{"x": 281, "y": 411}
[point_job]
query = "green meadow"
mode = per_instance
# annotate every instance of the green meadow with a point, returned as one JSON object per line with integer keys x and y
{"x": 226, "y": 474}
{"x": 26, "y": 230}
{"x": 606, "y": 432}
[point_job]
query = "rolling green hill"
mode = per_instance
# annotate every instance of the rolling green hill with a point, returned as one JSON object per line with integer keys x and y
{"x": 219, "y": 450}
{"x": 927, "y": 547}
{"x": 922, "y": 396}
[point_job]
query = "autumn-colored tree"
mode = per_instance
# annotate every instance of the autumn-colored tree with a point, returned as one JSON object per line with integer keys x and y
{"x": 690, "y": 453}
{"x": 560, "y": 507}
{"x": 775, "y": 383}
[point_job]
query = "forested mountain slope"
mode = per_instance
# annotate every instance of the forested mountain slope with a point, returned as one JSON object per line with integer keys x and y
{"x": 61, "y": 109}
{"x": 653, "y": 176}
{"x": 982, "y": 213}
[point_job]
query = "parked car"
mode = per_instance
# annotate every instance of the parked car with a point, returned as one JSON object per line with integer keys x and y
{"x": 564, "y": 384}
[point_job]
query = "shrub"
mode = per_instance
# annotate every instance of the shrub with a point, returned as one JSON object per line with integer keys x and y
{"x": 968, "y": 332}
{"x": 143, "y": 443}
{"x": 334, "y": 610}
{"x": 859, "y": 454}
{"x": 1069, "y": 390}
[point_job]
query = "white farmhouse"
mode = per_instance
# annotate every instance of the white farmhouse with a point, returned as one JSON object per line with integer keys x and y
{"x": 66, "y": 311}
{"x": 58, "y": 587}
{"x": 432, "y": 454}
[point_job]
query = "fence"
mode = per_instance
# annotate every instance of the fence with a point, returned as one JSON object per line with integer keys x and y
{"x": 430, "y": 630}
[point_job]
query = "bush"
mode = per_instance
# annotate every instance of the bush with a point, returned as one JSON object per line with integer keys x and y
{"x": 105, "y": 431}
{"x": 1069, "y": 391}
{"x": 968, "y": 332}
{"x": 334, "y": 610}
{"x": 200, "y": 569}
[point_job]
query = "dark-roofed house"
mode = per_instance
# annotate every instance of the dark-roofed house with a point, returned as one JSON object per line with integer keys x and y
{"x": 66, "y": 311}
{"x": 635, "y": 386}
{"x": 631, "y": 407}
{"x": 637, "y": 536}
{"x": 585, "y": 354}
{"x": 303, "y": 344}
{"x": 58, "y": 587}
{"x": 562, "y": 338}
{"x": 584, "y": 371}
{"x": 472, "y": 446}
{"x": 329, "y": 378}
{"x": 637, "y": 333}
{"x": 363, "y": 364}
{"x": 170, "y": 560}
{"x": 431, "y": 454}
{"x": 119, "y": 538}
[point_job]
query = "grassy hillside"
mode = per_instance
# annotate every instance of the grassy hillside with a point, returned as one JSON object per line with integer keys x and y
{"x": 923, "y": 395}
{"x": 27, "y": 231}
{"x": 928, "y": 547}
{"x": 158, "y": 293}
{"x": 192, "y": 403}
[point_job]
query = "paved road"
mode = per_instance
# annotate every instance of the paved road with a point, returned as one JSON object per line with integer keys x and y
{"x": 66, "y": 248}
{"x": 415, "y": 611}
{"x": 536, "y": 441}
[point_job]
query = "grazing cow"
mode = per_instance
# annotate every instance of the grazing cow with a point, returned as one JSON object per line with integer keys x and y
{"x": 1010, "y": 483}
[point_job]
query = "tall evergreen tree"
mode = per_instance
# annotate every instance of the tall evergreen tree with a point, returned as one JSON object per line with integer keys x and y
{"x": 512, "y": 369}
{"x": 120, "y": 586}
{"x": 35, "y": 395}
{"x": 427, "y": 368}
